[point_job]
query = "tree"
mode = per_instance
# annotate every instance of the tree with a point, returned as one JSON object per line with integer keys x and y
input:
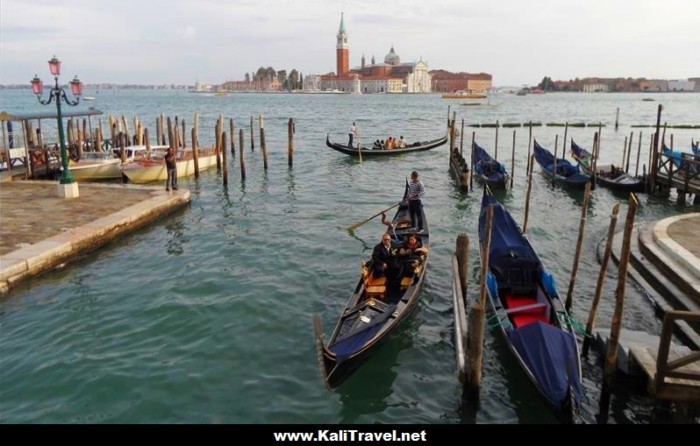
{"x": 293, "y": 79}
{"x": 282, "y": 76}
{"x": 270, "y": 73}
{"x": 301, "y": 81}
{"x": 247, "y": 77}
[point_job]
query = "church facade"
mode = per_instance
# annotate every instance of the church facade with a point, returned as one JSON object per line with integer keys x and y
{"x": 391, "y": 76}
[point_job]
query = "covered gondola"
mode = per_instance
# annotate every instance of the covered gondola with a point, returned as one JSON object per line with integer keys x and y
{"x": 566, "y": 173}
{"x": 488, "y": 170}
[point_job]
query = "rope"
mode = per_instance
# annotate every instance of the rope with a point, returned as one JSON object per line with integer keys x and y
{"x": 504, "y": 322}
{"x": 576, "y": 324}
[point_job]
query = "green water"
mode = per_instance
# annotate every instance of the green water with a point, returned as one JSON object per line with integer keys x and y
{"x": 205, "y": 316}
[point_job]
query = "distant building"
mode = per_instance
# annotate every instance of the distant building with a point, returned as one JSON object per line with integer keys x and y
{"x": 697, "y": 82}
{"x": 595, "y": 87}
{"x": 681, "y": 85}
{"x": 392, "y": 76}
{"x": 447, "y": 82}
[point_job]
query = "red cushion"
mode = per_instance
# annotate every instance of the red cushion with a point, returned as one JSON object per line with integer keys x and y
{"x": 526, "y": 317}
{"x": 523, "y": 319}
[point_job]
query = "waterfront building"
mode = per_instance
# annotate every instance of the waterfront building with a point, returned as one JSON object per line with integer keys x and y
{"x": 595, "y": 87}
{"x": 447, "y": 82}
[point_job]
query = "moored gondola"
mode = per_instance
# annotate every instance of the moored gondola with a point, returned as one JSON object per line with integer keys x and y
{"x": 374, "y": 309}
{"x": 566, "y": 173}
{"x": 488, "y": 170}
{"x": 373, "y": 152}
{"x": 530, "y": 314}
{"x": 607, "y": 176}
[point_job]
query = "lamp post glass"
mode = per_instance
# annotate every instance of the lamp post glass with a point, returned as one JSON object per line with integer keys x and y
{"x": 59, "y": 94}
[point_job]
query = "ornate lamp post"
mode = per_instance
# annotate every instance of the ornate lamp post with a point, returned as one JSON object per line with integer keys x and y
{"x": 59, "y": 94}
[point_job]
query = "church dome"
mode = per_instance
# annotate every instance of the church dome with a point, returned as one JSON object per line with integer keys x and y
{"x": 392, "y": 58}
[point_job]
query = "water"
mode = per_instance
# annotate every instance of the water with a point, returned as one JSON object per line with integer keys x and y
{"x": 205, "y": 316}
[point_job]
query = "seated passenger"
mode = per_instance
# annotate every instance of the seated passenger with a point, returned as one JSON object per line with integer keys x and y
{"x": 390, "y": 143}
{"x": 384, "y": 260}
{"x": 383, "y": 145}
{"x": 377, "y": 145}
{"x": 413, "y": 247}
{"x": 401, "y": 143}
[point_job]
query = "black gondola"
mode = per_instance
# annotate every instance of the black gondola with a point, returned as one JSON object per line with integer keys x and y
{"x": 530, "y": 313}
{"x": 373, "y": 310}
{"x": 488, "y": 170}
{"x": 566, "y": 173}
{"x": 368, "y": 151}
{"x": 607, "y": 176}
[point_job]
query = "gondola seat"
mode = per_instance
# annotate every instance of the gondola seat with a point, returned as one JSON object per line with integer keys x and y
{"x": 374, "y": 286}
{"x": 526, "y": 310}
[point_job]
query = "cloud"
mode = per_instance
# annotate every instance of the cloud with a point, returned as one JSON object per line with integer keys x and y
{"x": 187, "y": 33}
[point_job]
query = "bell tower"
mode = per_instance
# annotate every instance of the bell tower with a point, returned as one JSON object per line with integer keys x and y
{"x": 342, "y": 50}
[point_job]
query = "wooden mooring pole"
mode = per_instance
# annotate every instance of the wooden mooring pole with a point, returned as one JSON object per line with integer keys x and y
{"x": 223, "y": 155}
{"x": 462, "y": 252}
{"x": 563, "y": 145}
{"x": 512, "y": 162}
{"x": 471, "y": 167}
{"x": 624, "y": 152}
{"x": 613, "y": 342}
{"x": 242, "y": 153}
{"x": 195, "y": 152}
{"x": 617, "y": 118}
{"x": 529, "y": 149}
{"x": 477, "y": 320}
{"x": 590, "y": 325}
{"x": 263, "y": 145}
{"x": 252, "y": 136}
{"x": 217, "y": 144}
{"x": 629, "y": 153}
{"x": 461, "y": 140}
{"x": 556, "y": 148}
{"x": 233, "y": 137}
{"x": 495, "y": 145}
{"x": 290, "y": 142}
{"x": 653, "y": 168}
{"x": 639, "y": 152}
{"x": 579, "y": 242}
{"x": 527, "y": 195}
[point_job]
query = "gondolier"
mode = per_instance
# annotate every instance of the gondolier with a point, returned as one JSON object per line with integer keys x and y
{"x": 352, "y": 134}
{"x": 416, "y": 192}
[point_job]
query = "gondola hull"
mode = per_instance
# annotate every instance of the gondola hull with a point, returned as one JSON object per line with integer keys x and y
{"x": 368, "y": 152}
{"x": 566, "y": 173}
{"x": 608, "y": 176}
{"x": 373, "y": 311}
{"x": 531, "y": 316}
{"x": 488, "y": 170}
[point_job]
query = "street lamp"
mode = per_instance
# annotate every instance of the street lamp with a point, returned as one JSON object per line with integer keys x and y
{"x": 59, "y": 94}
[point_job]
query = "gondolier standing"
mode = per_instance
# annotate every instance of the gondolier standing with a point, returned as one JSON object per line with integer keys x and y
{"x": 416, "y": 192}
{"x": 352, "y": 134}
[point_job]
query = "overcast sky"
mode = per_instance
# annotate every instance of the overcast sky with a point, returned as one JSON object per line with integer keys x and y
{"x": 180, "y": 41}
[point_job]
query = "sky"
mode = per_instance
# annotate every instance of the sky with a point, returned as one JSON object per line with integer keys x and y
{"x": 213, "y": 41}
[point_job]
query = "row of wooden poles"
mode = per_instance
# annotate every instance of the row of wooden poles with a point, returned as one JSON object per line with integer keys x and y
{"x": 172, "y": 133}
{"x": 474, "y": 342}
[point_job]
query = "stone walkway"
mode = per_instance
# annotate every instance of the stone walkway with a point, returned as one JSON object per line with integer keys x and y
{"x": 38, "y": 230}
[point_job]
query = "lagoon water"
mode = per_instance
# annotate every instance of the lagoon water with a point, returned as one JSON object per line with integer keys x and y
{"x": 205, "y": 316}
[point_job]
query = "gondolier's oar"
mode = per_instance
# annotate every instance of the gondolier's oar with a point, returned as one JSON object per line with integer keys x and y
{"x": 357, "y": 225}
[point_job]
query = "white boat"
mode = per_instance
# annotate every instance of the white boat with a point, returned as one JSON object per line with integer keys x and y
{"x": 96, "y": 166}
{"x": 153, "y": 169}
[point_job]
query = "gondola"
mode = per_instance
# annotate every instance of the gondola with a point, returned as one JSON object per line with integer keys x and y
{"x": 488, "y": 170}
{"x": 374, "y": 309}
{"x": 368, "y": 151}
{"x": 530, "y": 314}
{"x": 566, "y": 173}
{"x": 607, "y": 176}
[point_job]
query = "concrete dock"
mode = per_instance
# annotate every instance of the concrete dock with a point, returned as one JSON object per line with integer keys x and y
{"x": 40, "y": 231}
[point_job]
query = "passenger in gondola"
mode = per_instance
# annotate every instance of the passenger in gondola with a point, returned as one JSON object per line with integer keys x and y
{"x": 383, "y": 145}
{"x": 385, "y": 260}
{"x": 413, "y": 247}
{"x": 401, "y": 143}
{"x": 377, "y": 145}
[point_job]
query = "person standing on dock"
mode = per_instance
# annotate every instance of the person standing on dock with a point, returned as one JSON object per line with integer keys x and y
{"x": 416, "y": 192}
{"x": 171, "y": 167}
{"x": 352, "y": 134}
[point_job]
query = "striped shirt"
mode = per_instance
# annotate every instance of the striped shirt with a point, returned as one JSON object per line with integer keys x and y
{"x": 416, "y": 190}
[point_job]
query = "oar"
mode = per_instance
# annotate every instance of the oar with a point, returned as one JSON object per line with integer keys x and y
{"x": 357, "y": 225}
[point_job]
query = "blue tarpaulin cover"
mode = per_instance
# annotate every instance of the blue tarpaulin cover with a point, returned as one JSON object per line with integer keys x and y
{"x": 354, "y": 341}
{"x": 550, "y": 354}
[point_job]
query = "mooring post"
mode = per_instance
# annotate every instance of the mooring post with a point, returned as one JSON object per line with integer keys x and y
{"x": 639, "y": 152}
{"x": 217, "y": 144}
{"x": 147, "y": 140}
{"x": 462, "y": 252}
{"x": 162, "y": 130}
{"x": 233, "y": 137}
{"x": 554, "y": 176}
{"x": 263, "y": 144}
{"x": 579, "y": 242}
{"x": 290, "y": 142}
{"x": 195, "y": 152}
{"x": 252, "y": 136}
{"x": 529, "y": 148}
{"x": 590, "y": 325}
{"x": 613, "y": 342}
{"x": 563, "y": 145}
{"x": 617, "y": 118}
{"x": 495, "y": 145}
{"x": 461, "y": 140}
{"x": 223, "y": 154}
{"x": 477, "y": 319}
{"x": 527, "y": 195}
{"x": 242, "y": 153}
{"x": 624, "y": 152}
{"x": 629, "y": 153}
{"x": 512, "y": 162}
{"x": 471, "y": 162}
{"x": 653, "y": 168}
